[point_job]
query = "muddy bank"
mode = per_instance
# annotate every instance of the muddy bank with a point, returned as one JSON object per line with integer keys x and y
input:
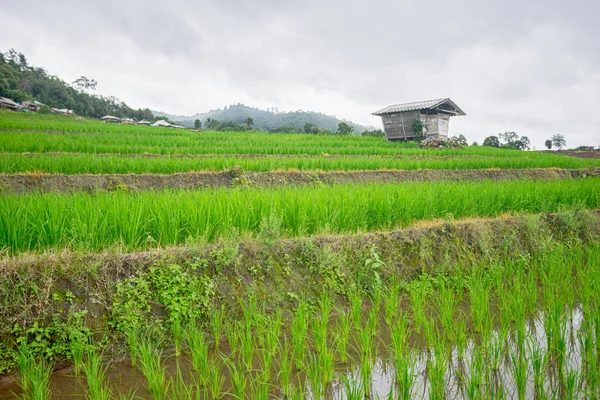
{"x": 22, "y": 183}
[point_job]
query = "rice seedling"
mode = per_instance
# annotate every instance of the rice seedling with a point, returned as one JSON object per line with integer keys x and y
{"x": 475, "y": 378}
{"x": 239, "y": 379}
{"x": 299, "y": 334}
{"x": 437, "y": 365}
{"x": 315, "y": 378}
{"x": 34, "y": 375}
{"x": 392, "y": 302}
{"x": 217, "y": 317}
{"x": 403, "y": 358}
{"x": 216, "y": 379}
{"x": 152, "y": 366}
{"x": 342, "y": 335}
{"x": 446, "y": 304}
{"x": 198, "y": 348}
{"x": 519, "y": 371}
{"x": 285, "y": 368}
{"x": 178, "y": 333}
{"x": 353, "y": 389}
{"x": 95, "y": 374}
{"x": 247, "y": 346}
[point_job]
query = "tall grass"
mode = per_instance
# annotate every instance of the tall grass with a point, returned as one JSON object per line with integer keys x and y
{"x": 149, "y": 219}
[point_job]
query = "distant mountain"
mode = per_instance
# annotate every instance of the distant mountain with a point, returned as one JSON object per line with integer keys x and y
{"x": 264, "y": 120}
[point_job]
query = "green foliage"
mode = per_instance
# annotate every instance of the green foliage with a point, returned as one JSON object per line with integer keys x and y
{"x": 270, "y": 120}
{"x": 510, "y": 140}
{"x": 461, "y": 140}
{"x": 344, "y": 129}
{"x": 558, "y": 141}
{"x": 197, "y": 124}
{"x": 184, "y": 294}
{"x": 368, "y": 275}
{"x": 418, "y": 128}
{"x": 548, "y": 144}
{"x": 374, "y": 133}
{"x": 492, "y": 141}
{"x": 45, "y": 110}
{"x": 16, "y": 74}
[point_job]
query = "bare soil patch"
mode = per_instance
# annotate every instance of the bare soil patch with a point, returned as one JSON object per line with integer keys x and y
{"x": 31, "y": 182}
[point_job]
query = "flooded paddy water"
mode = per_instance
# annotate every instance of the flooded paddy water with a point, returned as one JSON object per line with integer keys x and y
{"x": 428, "y": 339}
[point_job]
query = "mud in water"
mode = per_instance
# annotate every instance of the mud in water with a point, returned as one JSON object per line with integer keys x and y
{"x": 23, "y": 183}
{"x": 125, "y": 379}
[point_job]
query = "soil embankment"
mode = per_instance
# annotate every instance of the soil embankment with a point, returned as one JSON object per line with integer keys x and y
{"x": 31, "y": 182}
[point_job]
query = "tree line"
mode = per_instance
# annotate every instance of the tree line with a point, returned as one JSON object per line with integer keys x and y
{"x": 20, "y": 81}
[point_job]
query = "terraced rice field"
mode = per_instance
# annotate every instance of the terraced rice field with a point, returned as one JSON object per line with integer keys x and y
{"x": 291, "y": 266}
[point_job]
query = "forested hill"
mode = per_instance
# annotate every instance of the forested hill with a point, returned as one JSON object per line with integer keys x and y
{"x": 265, "y": 120}
{"x": 20, "y": 81}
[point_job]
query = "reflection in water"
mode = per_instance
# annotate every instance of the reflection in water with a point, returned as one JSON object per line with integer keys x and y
{"x": 496, "y": 365}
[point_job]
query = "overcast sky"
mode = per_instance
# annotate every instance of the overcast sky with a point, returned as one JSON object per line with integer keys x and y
{"x": 532, "y": 66}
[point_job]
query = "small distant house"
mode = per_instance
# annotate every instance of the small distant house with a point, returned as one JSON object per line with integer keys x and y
{"x": 31, "y": 105}
{"x": 8, "y": 104}
{"x": 127, "y": 121}
{"x": 144, "y": 122}
{"x": 398, "y": 120}
{"x": 163, "y": 123}
{"x": 62, "y": 111}
{"x": 111, "y": 119}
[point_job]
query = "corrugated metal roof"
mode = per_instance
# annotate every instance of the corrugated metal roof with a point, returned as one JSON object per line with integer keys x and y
{"x": 6, "y": 100}
{"x": 417, "y": 105}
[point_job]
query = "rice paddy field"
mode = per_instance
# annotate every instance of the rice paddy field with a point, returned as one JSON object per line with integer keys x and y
{"x": 440, "y": 289}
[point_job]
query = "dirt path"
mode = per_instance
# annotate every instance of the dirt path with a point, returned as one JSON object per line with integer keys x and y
{"x": 22, "y": 183}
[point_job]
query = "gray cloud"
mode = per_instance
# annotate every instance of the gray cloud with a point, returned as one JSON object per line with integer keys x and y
{"x": 524, "y": 66}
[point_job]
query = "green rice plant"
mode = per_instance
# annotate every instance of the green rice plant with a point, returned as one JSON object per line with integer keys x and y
{"x": 353, "y": 388}
{"x": 314, "y": 374}
{"x": 519, "y": 372}
{"x": 259, "y": 386}
{"x": 392, "y": 302}
{"x": 447, "y": 301}
{"x": 95, "y": 373}
{"x": 403, "y": 357}
{"x": 152, "y": 366}
{"x": 29, "y": 133}
{"x": 299, "y": 334}
{"x": 180, "y": 390}
{"x": 571, "y": 384}
{"x": 460, "y": 335}
{"x": 437, "y": 364}
{"x": 247, "y": 346}
{"x": 479, "y": 298}
{"x": 285, "y": 368}
{"x": 216, "y": 325}
{"x": 35, "y": 375}
{"x": 418, "y": 297}
{"x": 131, "y": 336}
{"x": 234, "y": 338}
{"x": 178, "y": 333}
{"x": 366, "y": 335}
{"x": 475, "y": 379}
{"x": 78, "y": 346}
{"x": 198, "y": 348}
{"x": 239, "y": 379}
{"x": 216, "y": 379}
{"x": 342, "y": 335}
{"x": 86, "y": 221}
{"x": 356, "y": 306}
